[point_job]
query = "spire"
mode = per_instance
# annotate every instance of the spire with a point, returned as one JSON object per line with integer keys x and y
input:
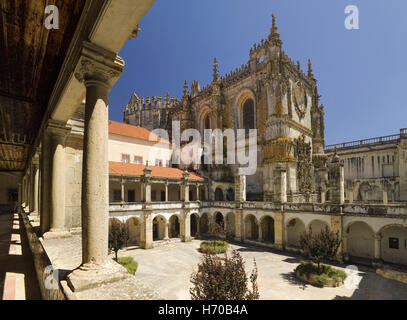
{"x": 186, "y": 93}
{"x": 215, "y": 70}
{"x": 274, "y": 37}
{"x": 310, "y": 74}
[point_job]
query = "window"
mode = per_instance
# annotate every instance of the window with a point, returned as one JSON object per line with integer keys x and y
{"x": 248, "y": 115}
{"x": 393, "y": 243}
{"x": 125, "y": 158}
{"x": 158, "y": 163}
{"x": 138, "y": 160}
{"x": 117, "y": 195}
{"x": 131, "y": 196}
{"x": 153, "y": 195}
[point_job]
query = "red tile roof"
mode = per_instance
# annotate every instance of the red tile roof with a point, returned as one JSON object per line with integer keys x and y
{"x": 127, "y": 130}
{"x": 159, "y": 172}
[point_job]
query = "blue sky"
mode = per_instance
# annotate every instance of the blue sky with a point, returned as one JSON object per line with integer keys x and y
{"x": 362, "y": 74}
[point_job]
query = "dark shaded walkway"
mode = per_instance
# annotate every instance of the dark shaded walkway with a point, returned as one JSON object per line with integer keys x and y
{"x": 18, "y": 279}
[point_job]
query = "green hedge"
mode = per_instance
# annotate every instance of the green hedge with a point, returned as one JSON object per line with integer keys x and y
{"x": 320, "y": 278}
{"x": 214, "y": 247}
{"x": 129, "y": 264}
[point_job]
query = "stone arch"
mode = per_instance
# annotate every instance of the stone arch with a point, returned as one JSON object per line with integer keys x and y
{"x": 360, "y": 240}
{"x": 267, "y": 229}
{"x": 134, "y": 226}
{"x": 204, "y": 223}
{"x": 244, "y": 96}
{"x": 317, "y": 226}
{"x": 218, "y": 194}
{"x": 207, "y": 119}
{"x": 230, "y": 225}
{"x": 174, "y": 227}
{"x": 394, "y": 243}
{"x": 194, "y": 224}
{"x": 159, "y": 224}
{"x": 251, "y": 230}
{"x": 294, "y": 228}
{"x": 218, "y": 218}
{"x": 230, "y": 194}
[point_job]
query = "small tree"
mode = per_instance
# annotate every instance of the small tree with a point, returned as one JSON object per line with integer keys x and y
{"x": 320, "y": 246}
{"x": 118, "y": 236}
{"x": 223, "y": 279}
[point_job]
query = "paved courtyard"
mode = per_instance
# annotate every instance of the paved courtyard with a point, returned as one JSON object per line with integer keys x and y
{"x": 167, "y": 269}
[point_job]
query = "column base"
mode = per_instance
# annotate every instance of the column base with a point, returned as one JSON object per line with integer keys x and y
{"x": 56, "y": 234}
{"x": 89, "y": 276}
{"x": 146, "y": 245}
{"x": 239, "y": 239}
{"x": 185, "y": 239}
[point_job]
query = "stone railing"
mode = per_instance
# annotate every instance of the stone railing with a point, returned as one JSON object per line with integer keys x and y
{"x": 139, "y": 206}
{"x": 371, "y": 141}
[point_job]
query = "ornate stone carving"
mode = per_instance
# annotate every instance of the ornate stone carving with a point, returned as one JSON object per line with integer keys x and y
{"x": 89, "y": 70}
{"x": 300, "y": 99}
{"x": 303, "y": 154}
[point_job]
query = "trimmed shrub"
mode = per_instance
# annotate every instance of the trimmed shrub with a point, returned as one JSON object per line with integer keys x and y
{"x": 214, "y": 246}
{"x": 320, "y": 277}
{"x": 129, "y": 263}
{"x": 223, "y": 279}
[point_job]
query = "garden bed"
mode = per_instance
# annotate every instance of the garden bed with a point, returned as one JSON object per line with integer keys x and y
{"x": 214, "y": 246}
{"x": 129, "y": 263}
{"x": 325, "y": 277}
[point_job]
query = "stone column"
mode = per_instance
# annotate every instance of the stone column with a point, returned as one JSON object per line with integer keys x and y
{"x": 260, "y": 237}
{"x": 185, "y": 186}
{"x": 377, "y": 261}
{"x": 166, "y": 227}
{"x": 336, "y": 226}
{"x": 279, "y": 230}
{"x": 345, "y": 247}
{"x": 45, "y": 167}
{"x": 36, "y": 188}
{"x": 20, "y": 201}
{"x": 197, "y": 192}
{"x": 336, "y": 180}
{"x": 240, "y": 188}
{"x": 239, "y": 232}
{"x": 166, "y": 191}
{"x": 58, "y": 134}
{"x": 122, "y": 191}
{"x": 385, "y": 201}
{"x": 147, "y": 183}
{"x": 147, "y": 236}
{"x": 98, "y": 69}
{"x": 185, "y": 225}
{"x": 280, "y": 184}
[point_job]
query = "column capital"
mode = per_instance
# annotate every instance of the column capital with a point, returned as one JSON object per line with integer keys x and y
{"x": 97, "y": 64}
{"x": 57, "y": 129}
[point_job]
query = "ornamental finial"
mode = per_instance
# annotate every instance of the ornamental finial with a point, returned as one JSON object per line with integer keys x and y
{"x": 215, "y": 70}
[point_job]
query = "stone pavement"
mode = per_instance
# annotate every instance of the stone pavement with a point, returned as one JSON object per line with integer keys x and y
{"x": 167, "y": 269}
{"x": 66, "y": 255}
{"x": 18, "y": 280}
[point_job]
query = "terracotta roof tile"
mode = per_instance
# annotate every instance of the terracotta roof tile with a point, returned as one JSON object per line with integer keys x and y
{"x": 127, "y": 130}
{"x": 159, "y": 172}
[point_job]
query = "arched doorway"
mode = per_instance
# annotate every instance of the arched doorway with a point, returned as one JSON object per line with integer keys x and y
{"x": 295, "y": 228}
{"x": 159, "y": 223}
{"x": 134, "y": 229}
{"x": 267, "y": 229}
{"x": 204, "y": 223}
{"x": 230, "y": 194}
{"x": 251, "y": 228}
{"x": 174, "y": 227}
{"x": 218, "y": 194}
{"x": 360, "y": 240}
{"x": 394, "y": 244}
{"x": 219, "y": 219}
{"x": 194, "y": 224}
{"x": 230, "y": 225}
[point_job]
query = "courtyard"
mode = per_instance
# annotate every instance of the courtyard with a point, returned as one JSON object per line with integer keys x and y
{"x": 173, "y": 264}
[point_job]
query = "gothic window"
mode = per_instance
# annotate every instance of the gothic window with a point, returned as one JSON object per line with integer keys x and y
{"x": 207, "y": 122}
{"x": 248, "y": 115}
{"x": 218, "y": 194}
